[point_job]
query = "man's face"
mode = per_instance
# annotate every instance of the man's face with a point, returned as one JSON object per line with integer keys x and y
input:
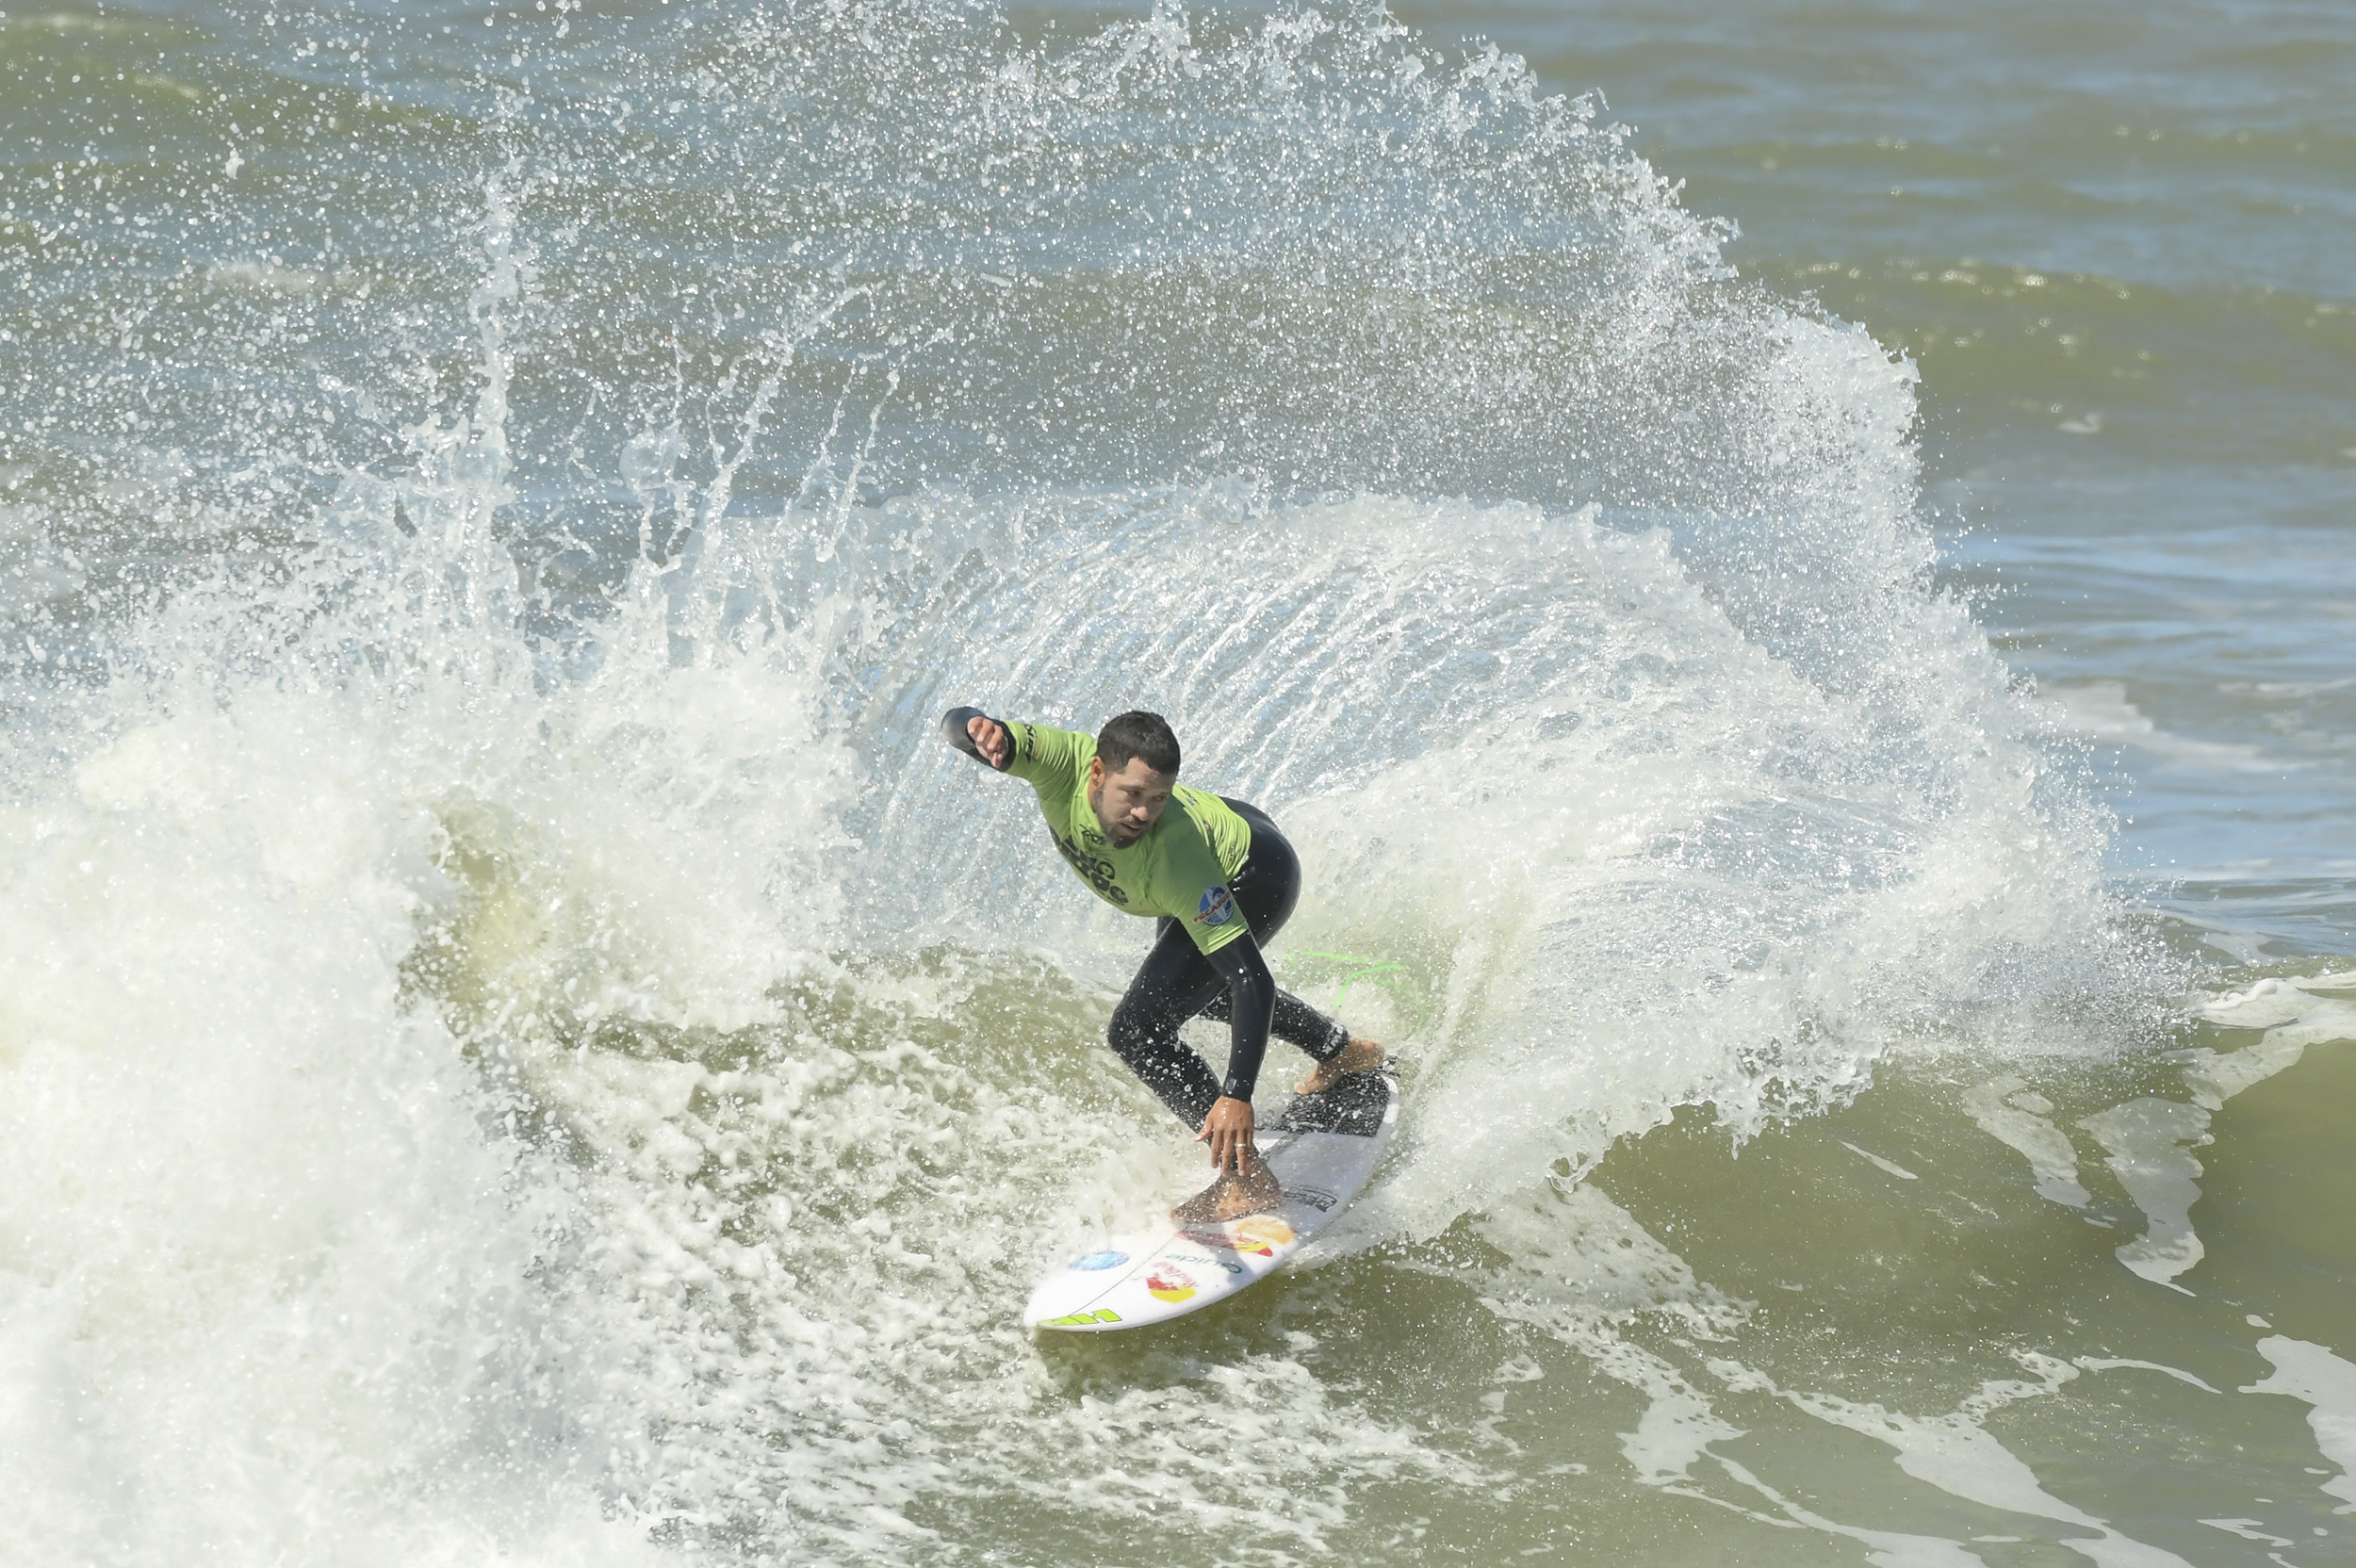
{"x": 1128, "y": 802}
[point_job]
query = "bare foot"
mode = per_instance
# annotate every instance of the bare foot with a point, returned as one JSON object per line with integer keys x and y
{"x": 1357, "y": 1056}
{"x": 1233, "y": 1196}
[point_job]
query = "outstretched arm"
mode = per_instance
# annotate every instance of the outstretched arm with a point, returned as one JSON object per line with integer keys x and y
{"x": 1252, "y": 1007}
{"x": 980, "y": 736}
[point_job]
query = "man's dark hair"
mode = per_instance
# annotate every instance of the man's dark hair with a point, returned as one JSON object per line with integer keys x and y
{"x": 1135, "y": 734}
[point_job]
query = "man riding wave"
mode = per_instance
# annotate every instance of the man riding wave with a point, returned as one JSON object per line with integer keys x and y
{"x": 1220, "y": 880}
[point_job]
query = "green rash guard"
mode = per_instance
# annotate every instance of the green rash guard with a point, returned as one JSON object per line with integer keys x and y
{"x": 1181, "y": 867}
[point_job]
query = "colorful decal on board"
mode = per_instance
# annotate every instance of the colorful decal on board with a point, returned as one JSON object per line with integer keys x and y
{"x": 1169, "y": 1282}
{"x": 1260, "y": 1234}
{"x": 1080, "y": 1319}
{"x": 1263, "y": 1233}
{"x": 1100, "y": 1260}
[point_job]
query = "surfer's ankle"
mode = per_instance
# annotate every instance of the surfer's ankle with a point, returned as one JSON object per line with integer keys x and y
{"x": 1359, "y": 1055}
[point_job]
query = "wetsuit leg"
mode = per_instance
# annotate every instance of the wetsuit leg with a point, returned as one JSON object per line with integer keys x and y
{"x": 1176, "y": 982}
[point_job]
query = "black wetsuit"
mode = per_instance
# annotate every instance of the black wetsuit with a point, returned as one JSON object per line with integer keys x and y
{"x": 1231, "y": 984}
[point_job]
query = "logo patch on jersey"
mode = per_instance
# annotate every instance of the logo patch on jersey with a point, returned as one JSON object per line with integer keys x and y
{"x": 1216, "y": 908}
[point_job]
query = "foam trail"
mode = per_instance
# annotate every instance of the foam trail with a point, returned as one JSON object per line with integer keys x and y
{"x": 2009, "y": 1111}
{"x": 1585, "y": 1272}
{"x": 2328, "y": 1384}
{"x": 1959, "y": 1456}
{"x": 1889, "y": 1548}
{"x": 2292, "y": 1017}
{"x": 2151, "y": 1142}
{"x": 1581, "y": 1265}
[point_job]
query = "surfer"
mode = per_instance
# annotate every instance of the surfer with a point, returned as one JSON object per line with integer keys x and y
{"x": 1221, "y": 880}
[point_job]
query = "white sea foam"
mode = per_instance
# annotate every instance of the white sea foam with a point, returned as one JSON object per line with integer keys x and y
{"x": 2151, "y": 1142}
{"x": 2294, "y": 1016}
{"x": 1582, "y": 1268}
{"x": 1958, "y": 1454}
{"x": 272, "y": 1271}
{"x": 2012, "y": 1113}
{"x": 1888, "y": 1167}
{"x": 2100, "y": 711}
{"x": 2108, "y": 1364}
{"x": 2247, "y": 1530}
{"x": 1887, "y": 1548}
{"x": 1586, "y": 1273}
{"x": 2328, "y": 1384}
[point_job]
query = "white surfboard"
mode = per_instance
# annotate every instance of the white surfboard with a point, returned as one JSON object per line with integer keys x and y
{"x": 1322, "y": 1148}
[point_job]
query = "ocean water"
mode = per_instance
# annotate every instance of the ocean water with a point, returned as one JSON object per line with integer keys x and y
{"x": 1782, "y": 565}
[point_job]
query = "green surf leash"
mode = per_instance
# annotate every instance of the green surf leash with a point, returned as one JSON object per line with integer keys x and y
{"x": 1392, "y": 977}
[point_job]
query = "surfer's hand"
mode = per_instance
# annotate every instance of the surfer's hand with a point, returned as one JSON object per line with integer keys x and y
{"x": 991, "y": 738}
{"x": 1228, "y": 1130}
